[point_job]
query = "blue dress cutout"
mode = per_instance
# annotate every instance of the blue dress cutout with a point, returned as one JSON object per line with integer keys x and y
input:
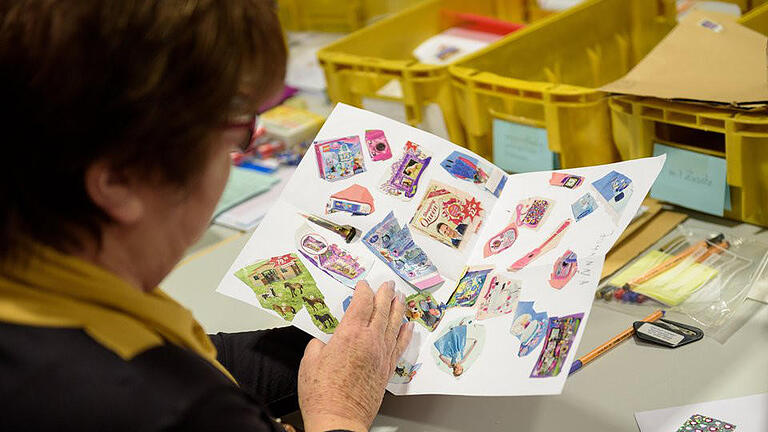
{"x": 452, "y": 344}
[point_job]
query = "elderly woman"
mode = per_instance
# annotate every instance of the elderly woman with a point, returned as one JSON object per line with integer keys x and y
{"x": 120, "y": 119}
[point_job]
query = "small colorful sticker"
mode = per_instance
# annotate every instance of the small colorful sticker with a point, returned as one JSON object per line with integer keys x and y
{"x": 563, "y": 270}
{"x": 700, "y": 423}
{"x": 424, "y": 309}
{"x": 336, "y": 261}
{"x": 468, "y": 168}
{"x": 459, "y": 346}
{"x": 283, "y": 285}
{"x": 448, "y": 215}
{"x": 356, "y": 200}
{"x": 403, "y": 180}
{"x": 561, "y": 333}
{"x": 529, "y": 326}
{"x": 569, "y": 181}
{"x": 616, "y": 189}
{"x": 498, "y": 297}
{"x": 378, "y": 146}
{"x": 532, "y": 212}
{"x": 395, "y": 246}
{"x": 583, "y": 207}
{"x": 404, "y": 372}
{"x": 339, "y": 158}
{"x": 468, "y": 287}
{"x": 501, "y": 241}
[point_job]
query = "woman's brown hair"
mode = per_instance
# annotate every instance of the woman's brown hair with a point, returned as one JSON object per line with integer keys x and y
{"x": 141, "y": 84}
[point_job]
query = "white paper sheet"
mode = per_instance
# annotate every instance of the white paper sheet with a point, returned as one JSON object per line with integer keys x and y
{"x": 496, "y": 368}
{"x": 748, "y": 414}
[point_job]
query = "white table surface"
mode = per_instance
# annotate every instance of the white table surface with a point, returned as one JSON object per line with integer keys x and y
{"x": 601, "y": 397}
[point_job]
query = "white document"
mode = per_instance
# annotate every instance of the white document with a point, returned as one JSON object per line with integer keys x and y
{"x": 513, "y": 326}
{"x": 742, "y": 414}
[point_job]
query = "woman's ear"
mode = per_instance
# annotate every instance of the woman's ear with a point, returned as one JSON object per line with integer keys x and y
{"x": 114, "y": 193}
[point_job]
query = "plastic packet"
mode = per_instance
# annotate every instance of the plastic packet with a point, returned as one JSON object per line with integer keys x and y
{"x": 700, "y": 273}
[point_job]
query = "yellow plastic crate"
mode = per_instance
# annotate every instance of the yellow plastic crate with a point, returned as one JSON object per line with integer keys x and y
{"x": 359, "y": 65}
{"x": 738, "y": 136}
{"x": 546, "y": 77}
{"x": 334, "y": 15}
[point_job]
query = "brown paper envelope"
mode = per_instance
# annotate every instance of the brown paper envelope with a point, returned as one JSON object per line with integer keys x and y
{"x": 705, "y": 58}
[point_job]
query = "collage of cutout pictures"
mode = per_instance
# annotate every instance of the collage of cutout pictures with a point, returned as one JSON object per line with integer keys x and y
{"x": 472, "y": 248}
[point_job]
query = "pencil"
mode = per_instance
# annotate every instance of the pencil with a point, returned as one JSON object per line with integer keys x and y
{"x": 702, "y": 246}
{"x": 619, "y": 338}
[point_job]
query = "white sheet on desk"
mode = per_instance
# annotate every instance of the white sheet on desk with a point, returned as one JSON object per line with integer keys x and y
{"x": 748, "y": 414}
{"x": 498, "y": 370}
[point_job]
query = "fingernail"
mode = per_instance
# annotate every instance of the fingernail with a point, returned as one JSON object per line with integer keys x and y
{"x": 400, "y": 297}
{"x": 410, "y": 325}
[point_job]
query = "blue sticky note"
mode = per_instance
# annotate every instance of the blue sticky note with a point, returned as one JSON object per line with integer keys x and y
{"x": 520, "y": 148}
{"x": 690, "y": 179}
{"x": 728, "y": 206}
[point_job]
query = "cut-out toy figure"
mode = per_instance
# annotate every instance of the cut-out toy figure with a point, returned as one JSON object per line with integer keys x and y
{"x": 339, "y": 158}
{"x": 564, "y": 269}
{"x": 424, "y": 309}
{"x": 616, "y": 190}
{"x": 403, "y": 180}
{"x": 347, "y": 264}
{"x": 468, "y": 287}
{"x": 455, "y": 347}
{"x": 395, "y": 246}
{"x": 282, "y": 284}
{"x": 529, "y": 326}
{"x": 468, "y": 168}
{"x": 448, "y": 215}
{"x": 356, "y": 200}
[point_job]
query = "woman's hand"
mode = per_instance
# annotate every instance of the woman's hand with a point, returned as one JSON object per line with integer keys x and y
{"x": 341, "y": 384}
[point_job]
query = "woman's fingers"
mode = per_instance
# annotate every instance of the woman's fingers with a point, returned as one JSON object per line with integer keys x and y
{"x": 382, "y": 306}
{"x": 396, "y": 313}
{"x": 403, "y": 339}
{"x": 361, "y": 306}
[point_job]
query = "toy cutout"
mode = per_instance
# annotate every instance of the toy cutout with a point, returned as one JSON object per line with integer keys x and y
{"x": 448, "y": 215}
{"x": 468, "y": 168}
{"x": 568, "y": 181}
{"x": 459, "y": 346}
{"x": 501, "y": 241}
{"x": 563, "y": 270}
{"x": 378, "y": 146}
{"x": 356, "y": 200}
{"x": 498, "y": 297}
{"x": 550, "y": 243}
{"x": 529, "y": 326}
{"x": 468, "y": 287}
{"x": 337, "y": 262}
{"x": 532, "y": 213}
{"x": 283, "y": 285}
{"x": 404, "y": 372}
{"x": 339, "y": 158}
{"x": 583, "y": 207}
{"x": 616, "y": 190}
{"x": 561, "y": 333}
{"x": 698, "y": 422}
{"x": 424, "y": 309}
{"x": 403, "y": 181}
{"x": 395, "y": 246}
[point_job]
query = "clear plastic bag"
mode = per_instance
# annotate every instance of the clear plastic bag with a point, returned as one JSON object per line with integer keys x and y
{"x": 703, "y": 274}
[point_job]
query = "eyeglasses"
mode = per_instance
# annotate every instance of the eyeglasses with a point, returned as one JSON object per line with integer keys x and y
{"x": 246, "y": 121}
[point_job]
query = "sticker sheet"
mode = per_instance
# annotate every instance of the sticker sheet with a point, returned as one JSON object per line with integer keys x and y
{"x": 498, "y": 271}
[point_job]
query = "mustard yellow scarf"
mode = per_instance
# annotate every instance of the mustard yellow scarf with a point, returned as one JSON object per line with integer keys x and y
{"x": 51, "y": 289}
